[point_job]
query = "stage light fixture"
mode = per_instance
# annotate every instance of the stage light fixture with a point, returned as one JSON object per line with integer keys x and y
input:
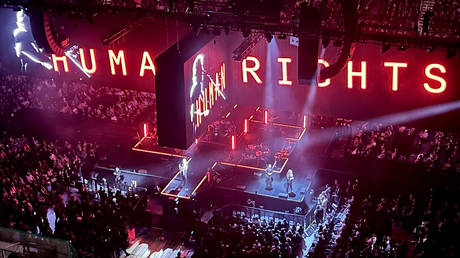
{"x": 385, "y": 47}
{"x": 430, "y": 49}
{"x": 282, "y": 36}
{"x": 268, "y": 36}
{"x": 402, "y": 47}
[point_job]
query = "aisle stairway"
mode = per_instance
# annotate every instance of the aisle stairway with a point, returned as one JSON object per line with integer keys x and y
{"x": 141, "y": 250}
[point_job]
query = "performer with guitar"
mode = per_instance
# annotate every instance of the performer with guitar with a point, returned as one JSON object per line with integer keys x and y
{"x": 269, "y": 176}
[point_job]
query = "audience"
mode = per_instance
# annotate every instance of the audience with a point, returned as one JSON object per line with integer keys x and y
{"x": 42, "y": 190}
{"x": 434, "y": 149}
{"x": 40, "y": 194}
{"x": 243, "y": 237}
{"x": 76, "y": 98}
{"x": 392, "y": 224}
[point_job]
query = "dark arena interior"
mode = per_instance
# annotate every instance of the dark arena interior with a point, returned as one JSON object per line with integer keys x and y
{"x": 230, "y": 128}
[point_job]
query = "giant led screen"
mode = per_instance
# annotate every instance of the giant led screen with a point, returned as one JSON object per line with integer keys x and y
{"x": 206, "y": 86}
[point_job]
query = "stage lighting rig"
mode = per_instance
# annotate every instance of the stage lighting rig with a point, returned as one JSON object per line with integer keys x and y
{"x": 242, "y": 51}
{"x": 259, "y": 16}
{"x": 112, "y": 38}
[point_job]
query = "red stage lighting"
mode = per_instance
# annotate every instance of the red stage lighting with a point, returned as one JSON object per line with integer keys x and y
{"x": 245, "y": 126}
{"x": 145, "y": 129}
{"x": 196, "y": 141}
{"x": 233, "y": 142}
{"x": 305, "y": 121}
{"x": 266, "y": 117}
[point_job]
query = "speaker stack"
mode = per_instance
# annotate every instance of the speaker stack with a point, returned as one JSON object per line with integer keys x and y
{"x": 309, "y": 31}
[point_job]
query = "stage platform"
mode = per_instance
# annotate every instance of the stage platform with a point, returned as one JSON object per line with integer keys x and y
{"x": 261, "y": 137}
{"x": 253, "y": 182}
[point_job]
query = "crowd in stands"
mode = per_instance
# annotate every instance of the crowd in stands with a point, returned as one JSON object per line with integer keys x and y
{"x": 40, "y": 194}
{"x": 238, "y": 236}
{"x": 389, "y": 224}
{"x": 75, "y": 98}
{"x": 434, "y": 149}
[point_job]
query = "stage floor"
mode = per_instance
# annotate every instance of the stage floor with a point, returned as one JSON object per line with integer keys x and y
{"x": 242, "y": 166}
{"x": 253, "y": 182}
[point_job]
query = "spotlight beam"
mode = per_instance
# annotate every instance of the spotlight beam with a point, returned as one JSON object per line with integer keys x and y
{"x": 386, "y": 120}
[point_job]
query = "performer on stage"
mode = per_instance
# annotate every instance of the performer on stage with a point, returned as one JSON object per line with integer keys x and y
{"x": 118, "y": 176}
{"x": 290, "y": 179}
{"x": 183, "y": 167}
{"x": 269, "y": 177}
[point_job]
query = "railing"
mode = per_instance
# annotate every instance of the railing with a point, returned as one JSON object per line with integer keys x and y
{"x": 97, "y": 185}
{"x": 259, "y": 213}
{"x": 27, "y": 244}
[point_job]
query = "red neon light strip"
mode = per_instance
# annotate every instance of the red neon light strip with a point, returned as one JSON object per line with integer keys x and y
{"x": 145, "y": 129}
{"x": 199, "y": 184}
{"x": 245, "y": 126}
{"x": 266, "y": 117}
{"x": 233, "y": 142}
{"x": 278, "y": 124}
{"x": 169, "y": 183}
{"x": 160, "y": 153}
{"x": 304, "y": 121}
{"x": 137, "y": 144}
{"x": 245, "y": 166}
